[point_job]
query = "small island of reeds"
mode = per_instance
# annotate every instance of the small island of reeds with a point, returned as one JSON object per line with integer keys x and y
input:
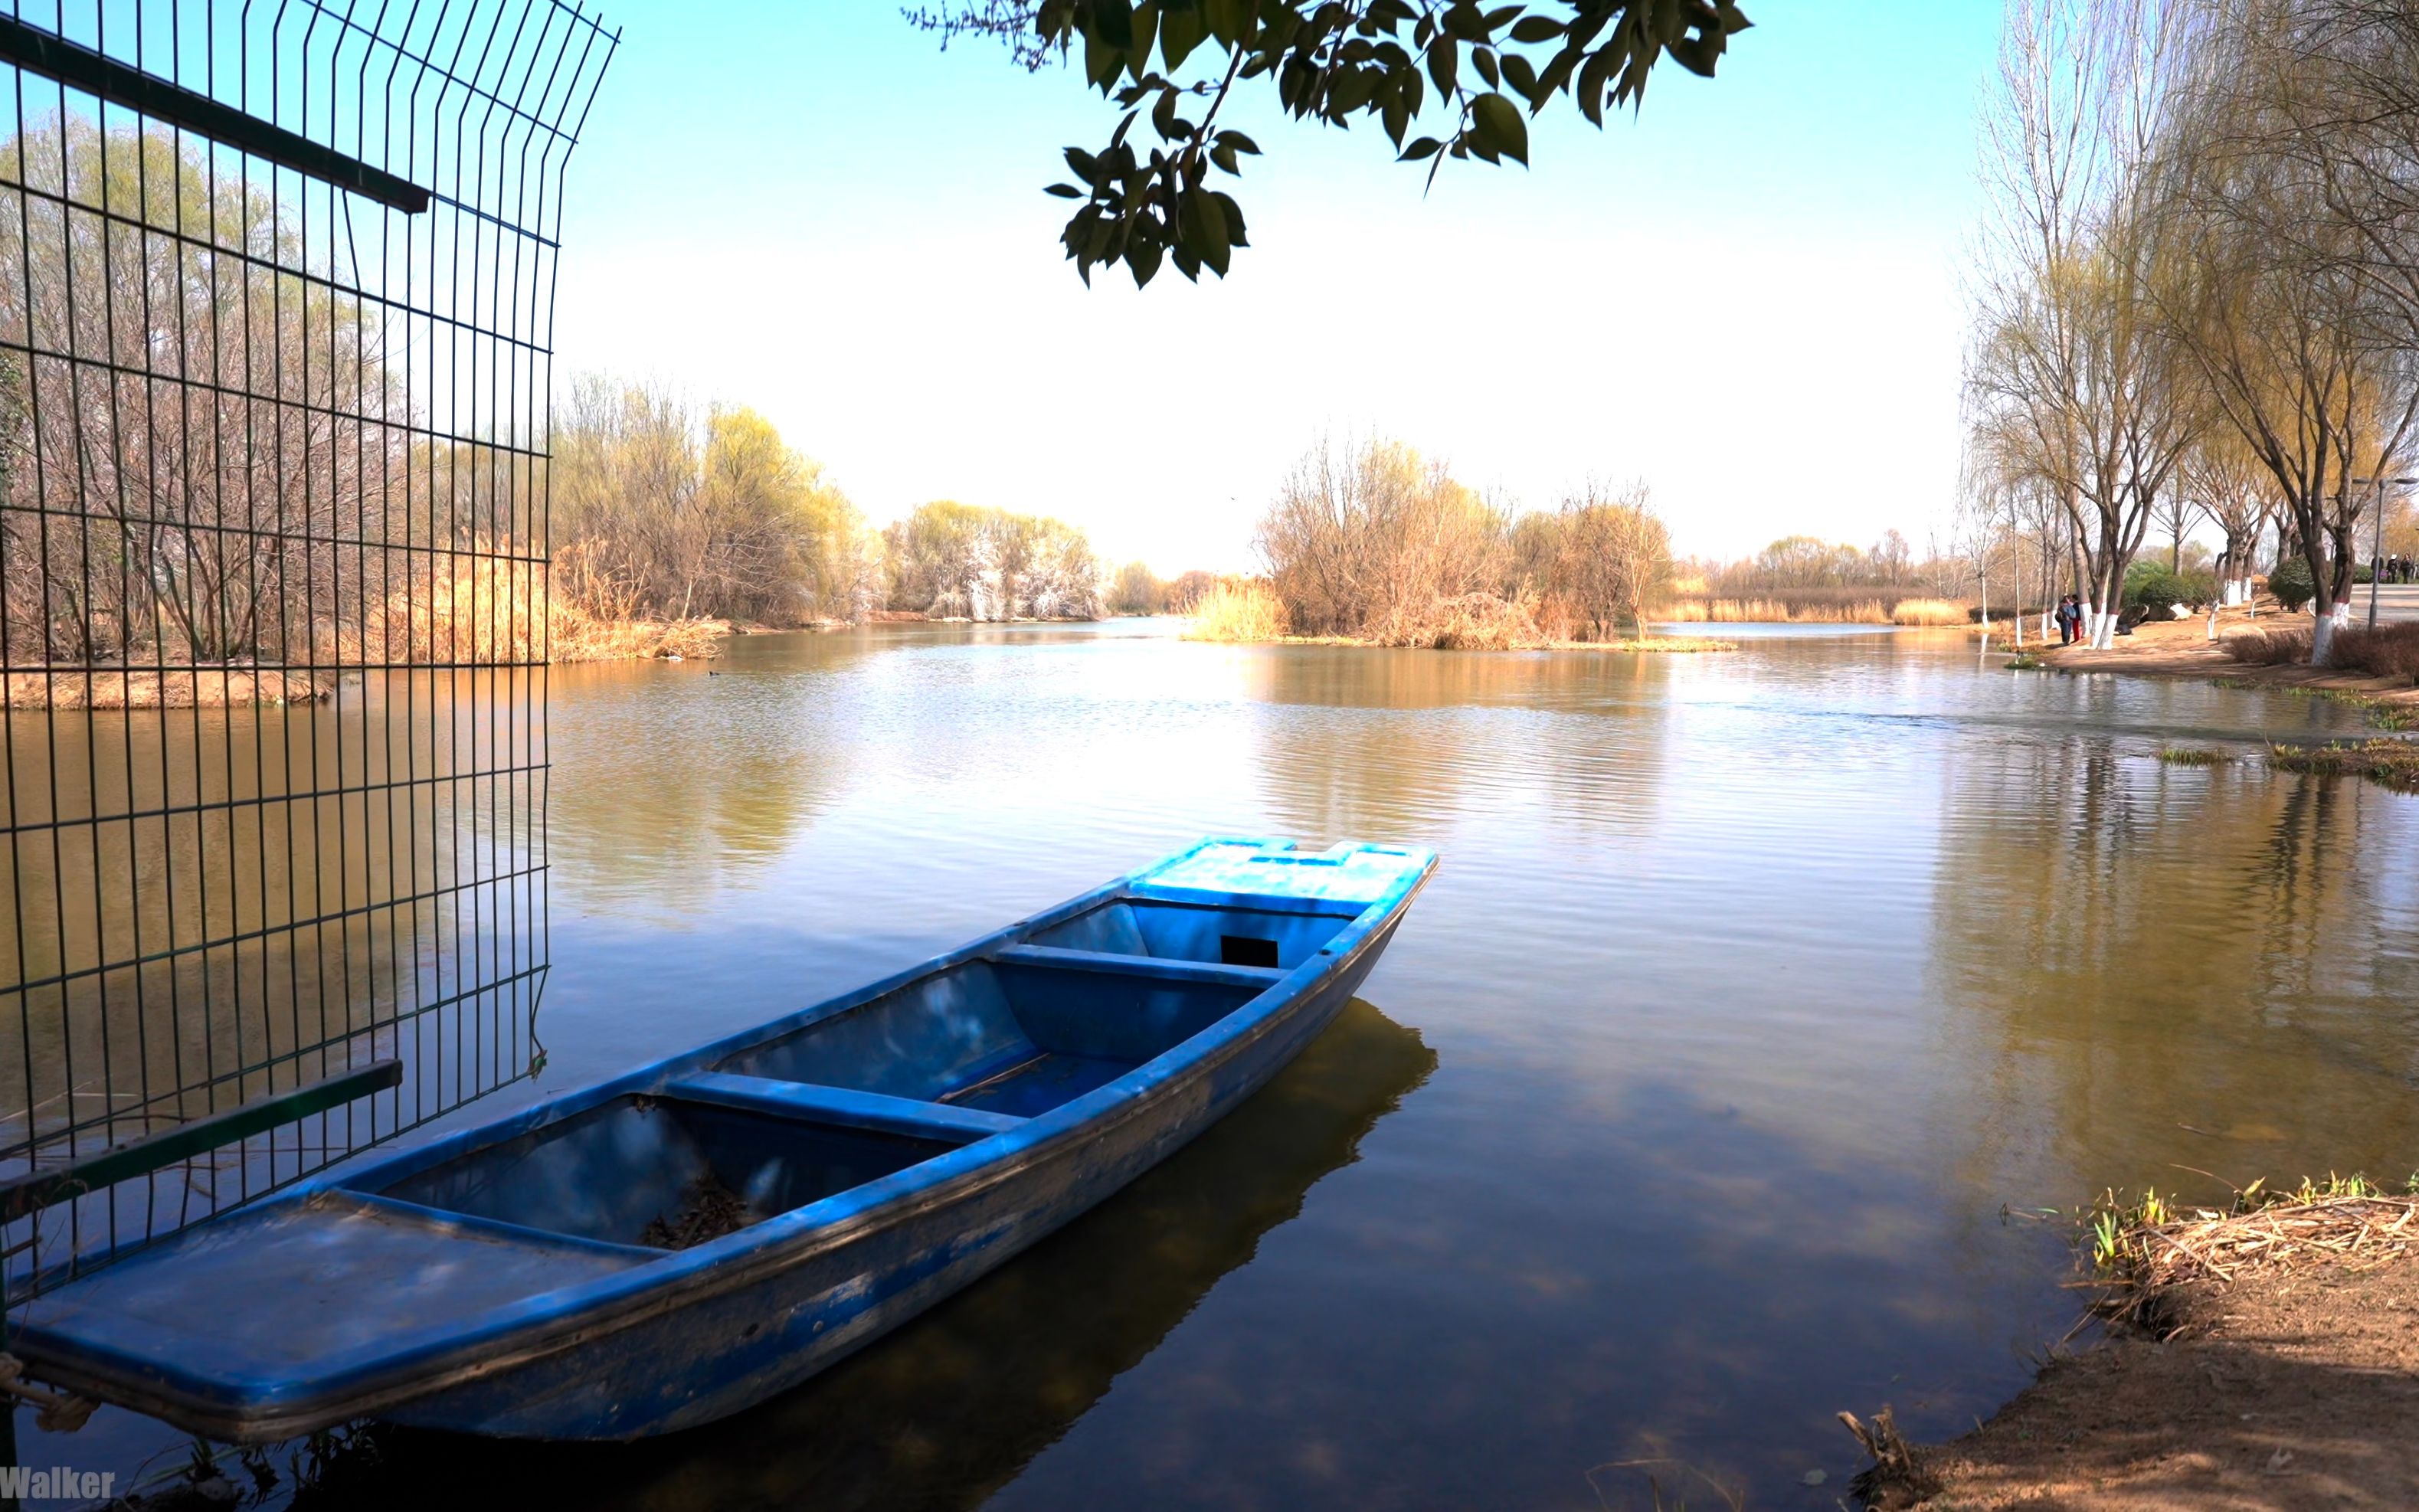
{"x": 1247, "y": 610}
{"x": 1379, "y": 546}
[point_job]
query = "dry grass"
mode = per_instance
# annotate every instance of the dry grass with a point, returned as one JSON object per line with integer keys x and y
{"x": 2393, "y": 763}
{"x": 2388, "y": 651}
{"x": 2143, "y": 1249}
{"x": 1932, "y": 611}
{"x": 2268, "y": 648}
{"x": 596, "y": 613}
{"x": 1238, "y": 609}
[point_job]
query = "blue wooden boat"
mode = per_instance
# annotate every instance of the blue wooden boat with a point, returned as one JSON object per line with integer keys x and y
{"x": 687, "y": 1240}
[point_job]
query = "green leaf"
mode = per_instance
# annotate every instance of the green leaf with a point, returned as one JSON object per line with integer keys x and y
{"x": 1180, "y": 33}
{"x": 1591, "y": 84}
{"x": 1522, "y": 78}
{"x": 1500, "y": 126}
{"x": 1228, "y": 20}
{"x": 1145, "y": 32}
{"x": 1485, "y": 60}
{"x": 1102, "y": 62}
{"x": 1112, "y": 22}
{"x": 1529, "y": 30}
{"x": 1444, "y": 54}
{"x": 1066, "y": 192}
{"x": 1234, "y": 217}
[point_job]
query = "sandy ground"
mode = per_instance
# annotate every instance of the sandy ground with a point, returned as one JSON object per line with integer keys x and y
{"x": 2289, "y": 1391}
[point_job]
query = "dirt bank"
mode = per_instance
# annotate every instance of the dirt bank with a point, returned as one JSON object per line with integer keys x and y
{"x": 210, "y": 688}
{"x": 2272, "y": 1371}
{"x": 2181, "y": 648}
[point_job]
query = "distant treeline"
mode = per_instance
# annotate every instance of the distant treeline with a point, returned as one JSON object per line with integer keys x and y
{"x": 1806, "y": 578}
{"x": 664, "y": 512}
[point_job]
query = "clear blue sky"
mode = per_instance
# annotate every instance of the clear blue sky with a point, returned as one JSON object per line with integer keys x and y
{"x": 1748, "y": 294}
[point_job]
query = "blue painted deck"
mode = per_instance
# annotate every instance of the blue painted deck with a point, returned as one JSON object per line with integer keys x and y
{"x": 877, "y": 1151}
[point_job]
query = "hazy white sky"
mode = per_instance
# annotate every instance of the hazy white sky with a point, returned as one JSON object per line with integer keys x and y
{"x": 1748, "y": 295}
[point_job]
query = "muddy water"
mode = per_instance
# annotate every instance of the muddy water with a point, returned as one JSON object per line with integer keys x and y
{"x": 1689, "y": 1107}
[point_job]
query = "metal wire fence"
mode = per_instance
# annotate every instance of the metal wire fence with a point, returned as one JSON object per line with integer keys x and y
{"x": 276, "y": 308}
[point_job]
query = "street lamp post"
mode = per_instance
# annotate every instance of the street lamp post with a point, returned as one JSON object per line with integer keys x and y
{"x": 2377, "y": 538}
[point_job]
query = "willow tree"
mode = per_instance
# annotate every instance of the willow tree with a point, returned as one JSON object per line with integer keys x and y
{"x": 956, "y": 561}
{"x": 678, "y": 513}
{"x": 2234, "y": 490}
{"x": 2305, "y": 347}
{"x": 2072, "y": 360}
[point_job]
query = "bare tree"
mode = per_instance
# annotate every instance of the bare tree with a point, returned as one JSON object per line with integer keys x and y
{"x": 2071, "y": 364}
{"x": 2305, "y": 349}
{"x": 2236, "y": 492}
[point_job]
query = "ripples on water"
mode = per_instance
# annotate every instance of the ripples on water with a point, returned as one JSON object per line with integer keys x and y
{"x": 1681, "y": 1115}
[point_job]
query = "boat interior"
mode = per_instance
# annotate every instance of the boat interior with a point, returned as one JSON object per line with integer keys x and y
{"x": 852, "y": 1096}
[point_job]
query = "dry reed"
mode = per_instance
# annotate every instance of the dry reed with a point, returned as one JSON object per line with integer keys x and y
{"x": 1239, "y": 608}
{"x": 1932, "y": 611}
{"x": 1467, "y": 622}
{"x": 597, "y": 612}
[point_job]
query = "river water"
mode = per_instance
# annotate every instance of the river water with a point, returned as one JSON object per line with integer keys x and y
{"x": 1699, "y": 1097}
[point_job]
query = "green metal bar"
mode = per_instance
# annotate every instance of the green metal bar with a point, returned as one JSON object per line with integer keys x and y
{"x": 36, "y": 1190}
{"x": 96, "y": 73}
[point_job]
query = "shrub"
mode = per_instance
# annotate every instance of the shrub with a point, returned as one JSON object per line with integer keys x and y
{"x": 2388, "y": 651}
{"x": 2268, "y": 648}
{"x": 1470, "y": 621}
{"x": 2156, "y": 589}
{"x": 2290, "y": 582}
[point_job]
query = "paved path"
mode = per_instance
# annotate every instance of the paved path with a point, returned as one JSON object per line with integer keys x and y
{"x": 2395, "y": 601}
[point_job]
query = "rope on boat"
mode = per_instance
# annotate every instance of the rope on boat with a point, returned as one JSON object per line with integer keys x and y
{"x": 61, "y": 1412}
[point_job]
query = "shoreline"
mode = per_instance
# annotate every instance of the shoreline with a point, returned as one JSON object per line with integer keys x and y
{"x": 1662, "y": 644}
{"x": 2256, "y": 1358}
{"x": 2181, "y": 648}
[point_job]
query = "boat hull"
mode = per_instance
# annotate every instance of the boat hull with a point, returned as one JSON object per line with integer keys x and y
{"x": 678, "y": 1244}
{"x": 706, "y": 1357}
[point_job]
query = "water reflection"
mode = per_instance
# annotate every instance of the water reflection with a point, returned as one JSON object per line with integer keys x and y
{"x": 2179, "y": 964}
{"x": 1359, "y": 742}
{"x": 1760, "y": 983}
{"x": 953, "y": 1407}
{"x": 213, "y": 905}
{"x": 693, "y": 777}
